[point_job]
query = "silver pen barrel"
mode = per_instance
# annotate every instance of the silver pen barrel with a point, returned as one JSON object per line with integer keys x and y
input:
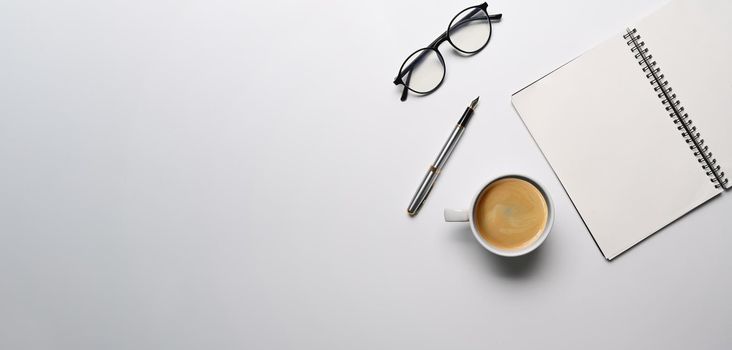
{"x": 429, "y": 179}
{"x": 448, "y": 147}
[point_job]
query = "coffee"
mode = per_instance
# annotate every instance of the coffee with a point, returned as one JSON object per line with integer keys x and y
{"x": 511, "y": 213}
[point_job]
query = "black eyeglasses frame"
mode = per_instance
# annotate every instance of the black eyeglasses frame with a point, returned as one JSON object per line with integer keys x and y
{"x": 434, "y": 46}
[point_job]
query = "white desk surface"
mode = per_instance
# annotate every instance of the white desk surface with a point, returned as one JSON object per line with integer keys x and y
{"x": 234, "y": 175}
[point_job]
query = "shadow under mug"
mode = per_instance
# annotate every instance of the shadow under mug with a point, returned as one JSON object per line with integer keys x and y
{"x": 452, "y": 215}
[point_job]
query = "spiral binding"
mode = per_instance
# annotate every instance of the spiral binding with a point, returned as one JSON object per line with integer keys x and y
{"x": 676, "y": 110}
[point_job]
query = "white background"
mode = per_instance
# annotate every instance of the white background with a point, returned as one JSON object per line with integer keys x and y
{"x": 235, "y": 175}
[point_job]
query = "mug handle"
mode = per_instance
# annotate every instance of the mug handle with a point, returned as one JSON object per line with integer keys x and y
{"x": 454, "y": 215}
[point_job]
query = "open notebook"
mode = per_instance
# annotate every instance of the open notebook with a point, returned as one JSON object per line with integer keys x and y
{"x": 639, "y": 129}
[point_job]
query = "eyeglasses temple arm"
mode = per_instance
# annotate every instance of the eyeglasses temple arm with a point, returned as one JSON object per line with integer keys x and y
{"x": 440, "y": 39}
{"x": 468, "y": 18}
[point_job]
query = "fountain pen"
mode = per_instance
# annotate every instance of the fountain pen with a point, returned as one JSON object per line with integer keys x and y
{"x": 429, "y": 179}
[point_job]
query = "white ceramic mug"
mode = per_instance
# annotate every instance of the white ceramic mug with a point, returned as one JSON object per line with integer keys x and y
{"x": 452, "y": 215}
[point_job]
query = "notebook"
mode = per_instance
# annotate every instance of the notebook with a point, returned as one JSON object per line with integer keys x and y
{"x": 638, "y": 129}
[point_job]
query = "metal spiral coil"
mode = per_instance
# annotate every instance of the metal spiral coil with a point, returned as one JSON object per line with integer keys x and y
{"x": 676, "y": 111}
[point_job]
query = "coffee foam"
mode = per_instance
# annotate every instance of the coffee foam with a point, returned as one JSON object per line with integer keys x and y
{"x": 511, "y": 214}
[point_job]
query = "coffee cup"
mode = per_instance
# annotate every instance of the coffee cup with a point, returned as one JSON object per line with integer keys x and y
{"x": 509, "y": 216}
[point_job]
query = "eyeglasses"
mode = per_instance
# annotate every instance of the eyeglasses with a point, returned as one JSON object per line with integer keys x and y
{"x": 424, "y": 70}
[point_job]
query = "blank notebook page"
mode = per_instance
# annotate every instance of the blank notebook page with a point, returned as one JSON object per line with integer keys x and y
{"x": 692, "y": 43}
{"x": 617, "y": 153}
